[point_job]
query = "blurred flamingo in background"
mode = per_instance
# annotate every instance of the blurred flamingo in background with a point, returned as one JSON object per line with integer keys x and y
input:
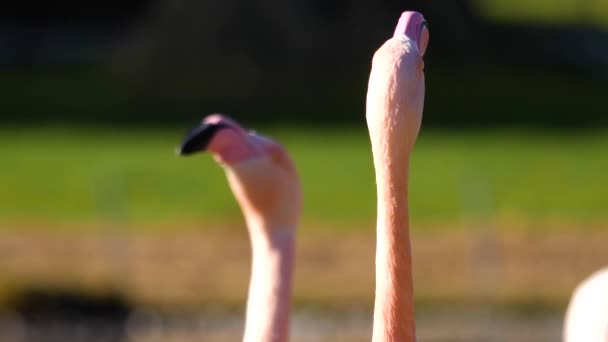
{"x": 264, "y": 181}
{"x": 395, "y": 100}
{"x": 587, "y": 315}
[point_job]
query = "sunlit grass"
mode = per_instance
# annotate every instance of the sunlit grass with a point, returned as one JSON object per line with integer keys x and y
{"x": 88, "y": 175}
{"x": 548, "y": 11}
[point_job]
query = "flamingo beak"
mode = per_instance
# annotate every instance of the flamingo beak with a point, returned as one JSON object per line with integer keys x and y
{"x": 199, "y": 138}
{"x": 413, "y": 25}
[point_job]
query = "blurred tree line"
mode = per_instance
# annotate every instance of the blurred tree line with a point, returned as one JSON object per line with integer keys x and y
{"x": 171, "y": 61}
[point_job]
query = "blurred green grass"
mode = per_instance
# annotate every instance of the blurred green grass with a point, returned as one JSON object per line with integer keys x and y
{"x": 548, "y": 11}
{"x": 85, "y": 175}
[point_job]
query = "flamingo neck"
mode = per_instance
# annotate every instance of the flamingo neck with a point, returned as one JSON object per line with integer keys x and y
{"x": 269, "y": 299}
{"x": 394, "y": 306}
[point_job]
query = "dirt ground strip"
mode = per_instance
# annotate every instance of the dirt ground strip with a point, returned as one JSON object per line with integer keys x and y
{"x": 317, "y": 326}
{"x": 188, "y": 269}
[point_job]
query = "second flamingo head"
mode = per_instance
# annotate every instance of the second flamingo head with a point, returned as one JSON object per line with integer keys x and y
{"x": 260, "y": 172}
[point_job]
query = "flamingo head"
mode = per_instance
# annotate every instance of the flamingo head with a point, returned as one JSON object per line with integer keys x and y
{"x": 413, "y": 26}
{"x": 260, "y": 172}
{"x": 395, "y": 96}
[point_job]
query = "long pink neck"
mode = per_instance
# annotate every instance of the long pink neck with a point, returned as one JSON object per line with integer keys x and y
{"x": 394, "y": 306}
{"x": 269, "y": 299}
{"x": 395, "y": 101}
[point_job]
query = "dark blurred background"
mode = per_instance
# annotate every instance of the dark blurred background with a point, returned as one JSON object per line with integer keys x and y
{"x": 151, "y": 62}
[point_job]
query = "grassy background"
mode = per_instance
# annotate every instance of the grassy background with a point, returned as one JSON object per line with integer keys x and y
{"x": 548, "y": 11}
{"x": 153, "y": 227}
{"x": 83, "y": 175}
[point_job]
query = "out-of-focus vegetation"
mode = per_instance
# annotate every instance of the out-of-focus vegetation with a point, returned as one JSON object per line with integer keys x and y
{"x": 455, "y": 99}
{"x": 89, "y": 174}
{"x": 594, "y": 12}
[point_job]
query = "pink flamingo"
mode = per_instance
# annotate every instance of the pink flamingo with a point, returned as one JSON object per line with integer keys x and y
{"x": 395, "y": 100}
{"x": 587, "y": 315}
{"x": 266, "y": 186}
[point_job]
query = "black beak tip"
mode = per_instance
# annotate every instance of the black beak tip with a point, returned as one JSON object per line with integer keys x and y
{"x": 198, "y": 139}
{"x": 179, "y": 151}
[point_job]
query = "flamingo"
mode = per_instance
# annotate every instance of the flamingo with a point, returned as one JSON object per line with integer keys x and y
{"x": 587, "y": 315}
{"x": 266, "y": 186}
{"x": 395, "y": 100}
